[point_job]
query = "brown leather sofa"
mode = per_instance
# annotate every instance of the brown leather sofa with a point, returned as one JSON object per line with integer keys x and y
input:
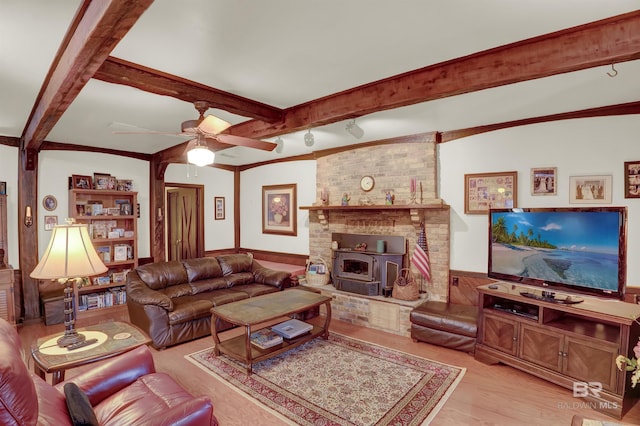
{"x": 172, "y": 301}
{"x": 124, "y": 390}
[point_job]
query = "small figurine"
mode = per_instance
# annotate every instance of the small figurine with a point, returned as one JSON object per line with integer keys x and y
{"x": 324, "y": 197}
{"x": 389, "y": 198}
{"x": 345, "y": 199}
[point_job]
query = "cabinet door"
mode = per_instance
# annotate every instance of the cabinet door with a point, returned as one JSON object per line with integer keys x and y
{"x": 591, "y": 361}
{"x": 500, "y": 333}
{"x": 541, "y": 346}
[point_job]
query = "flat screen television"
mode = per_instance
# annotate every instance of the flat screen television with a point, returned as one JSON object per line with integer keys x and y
{"x": 577, "y": 249}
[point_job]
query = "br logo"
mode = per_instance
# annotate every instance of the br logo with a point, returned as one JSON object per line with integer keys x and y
{"x": 584, "y": 389}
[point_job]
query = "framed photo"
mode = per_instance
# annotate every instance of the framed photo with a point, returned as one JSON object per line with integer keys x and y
{"x": 631, "y": 179}
{"x": 124, "y": 185}
{"x": 218, "y": 205}
{"x": 50, "y": 222}
{"x": 484, "y": 191}
{"x": 50, "y": 203}
{"x": 81, "y": 182}
{"x": 279, "y": 208}
{"x": 590, "y": 189}
{"x": 543, "y": 181}
{"x": 102, "y": 180}
{"x": 3, "y": 188}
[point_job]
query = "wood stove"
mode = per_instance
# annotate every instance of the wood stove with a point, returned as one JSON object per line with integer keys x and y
{"x": 367, "y": 271}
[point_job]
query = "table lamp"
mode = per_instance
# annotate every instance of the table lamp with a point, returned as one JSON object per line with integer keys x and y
{"x": 69, "y": 257}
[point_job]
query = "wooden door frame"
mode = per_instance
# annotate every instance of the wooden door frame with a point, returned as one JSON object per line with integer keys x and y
{"x": 199, "y": 215}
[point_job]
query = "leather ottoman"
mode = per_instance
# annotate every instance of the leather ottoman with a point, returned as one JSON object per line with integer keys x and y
{"x": 445, "y": 324}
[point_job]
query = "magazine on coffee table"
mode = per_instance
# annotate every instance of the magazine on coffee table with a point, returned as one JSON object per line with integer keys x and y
{"x": 292, "y": 328}
{"x": 265, "y": 338}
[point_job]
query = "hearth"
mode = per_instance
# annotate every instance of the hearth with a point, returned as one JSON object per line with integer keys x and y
{"x": 367, "y": 270}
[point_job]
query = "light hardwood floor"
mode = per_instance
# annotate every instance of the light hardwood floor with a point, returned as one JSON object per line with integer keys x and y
{"x": 487, "y": 395}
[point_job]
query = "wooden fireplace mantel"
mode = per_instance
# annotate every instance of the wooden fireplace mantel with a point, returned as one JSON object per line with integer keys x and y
{"x": 415, "y": 210}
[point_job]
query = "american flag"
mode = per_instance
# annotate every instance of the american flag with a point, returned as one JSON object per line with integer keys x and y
{"x": 420, "y": 256}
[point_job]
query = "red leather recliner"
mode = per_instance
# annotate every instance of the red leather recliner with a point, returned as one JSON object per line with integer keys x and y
{"x": 124, "y": 390}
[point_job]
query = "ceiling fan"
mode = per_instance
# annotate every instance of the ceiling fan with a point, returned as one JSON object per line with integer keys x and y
{"x": 208, "y": 137}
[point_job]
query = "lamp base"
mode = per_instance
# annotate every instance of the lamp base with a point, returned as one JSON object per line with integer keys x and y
{"x": 70, "y": 338}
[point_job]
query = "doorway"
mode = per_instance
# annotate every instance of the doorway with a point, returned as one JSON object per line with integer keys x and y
{"x": 184, "y": 226}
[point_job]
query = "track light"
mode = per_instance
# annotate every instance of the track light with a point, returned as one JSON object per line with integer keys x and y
{"x": 355, "y": 130}
{"x": 309, "y": 139}
{"x": 279, "y": 145}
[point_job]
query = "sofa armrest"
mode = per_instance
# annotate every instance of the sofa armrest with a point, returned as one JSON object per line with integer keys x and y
{"x": 262, "y": 275}
{"x": 138, "y": 292}
{"x": 198, "y": 412}
{"x": 114, "y": 374}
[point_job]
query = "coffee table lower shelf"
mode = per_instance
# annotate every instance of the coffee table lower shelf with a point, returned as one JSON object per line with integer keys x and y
{"x": 235, "y": 347}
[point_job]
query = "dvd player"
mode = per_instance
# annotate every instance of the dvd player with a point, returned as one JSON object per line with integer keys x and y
{"x": 530, "y": 312}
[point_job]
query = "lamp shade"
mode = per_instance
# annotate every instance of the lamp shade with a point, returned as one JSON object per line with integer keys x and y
{"x": 70, "y": 254}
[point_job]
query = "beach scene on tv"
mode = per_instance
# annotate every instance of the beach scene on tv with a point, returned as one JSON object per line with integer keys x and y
{"x": 570, "y": 247}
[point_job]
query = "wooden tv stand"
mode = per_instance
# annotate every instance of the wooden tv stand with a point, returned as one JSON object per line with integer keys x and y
{"x": 565, "y": 344}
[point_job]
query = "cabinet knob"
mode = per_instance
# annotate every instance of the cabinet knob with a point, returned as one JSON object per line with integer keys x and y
{"x": 514, "y": 338}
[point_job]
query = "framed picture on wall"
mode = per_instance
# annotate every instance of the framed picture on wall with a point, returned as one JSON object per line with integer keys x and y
{"x": 632, "y": 179}
{"x": 543, "y": 181}
{"x": 279, "y": 208}
{"x": 218, "y": 208}
{"x": 50, "y": 222}
{"x": 590, "y": 189}
{"x": 484, "y": 191}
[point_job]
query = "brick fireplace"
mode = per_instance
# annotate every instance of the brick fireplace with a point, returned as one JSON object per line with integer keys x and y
{"x": 392, "y": 167}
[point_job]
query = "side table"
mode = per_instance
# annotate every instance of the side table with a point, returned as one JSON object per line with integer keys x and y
{"x": 114, "y": 338}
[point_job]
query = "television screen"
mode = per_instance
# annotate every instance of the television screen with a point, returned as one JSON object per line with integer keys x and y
{"x": 581, "y": 249}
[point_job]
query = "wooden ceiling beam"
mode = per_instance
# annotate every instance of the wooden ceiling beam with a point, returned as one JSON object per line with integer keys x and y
{"x": 119, "y": 71}
{"x": 604, "y": 42}
{"x": 95, "y": 31}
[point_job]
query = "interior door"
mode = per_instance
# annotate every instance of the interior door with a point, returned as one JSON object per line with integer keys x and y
{"x": 184, "y": 223}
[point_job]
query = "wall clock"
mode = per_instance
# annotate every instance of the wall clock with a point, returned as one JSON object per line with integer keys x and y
{"x": 367, "y": 183}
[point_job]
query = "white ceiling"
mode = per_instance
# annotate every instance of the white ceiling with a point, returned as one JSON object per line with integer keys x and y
{"x": 287, "y": 52}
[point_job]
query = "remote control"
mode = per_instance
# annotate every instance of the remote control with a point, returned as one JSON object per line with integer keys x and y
{"x": 82, "y": 344}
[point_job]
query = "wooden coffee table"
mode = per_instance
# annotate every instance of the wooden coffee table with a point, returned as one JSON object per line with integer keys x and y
{"x": 113, "y": 338}
{"x": 257, "y": 310}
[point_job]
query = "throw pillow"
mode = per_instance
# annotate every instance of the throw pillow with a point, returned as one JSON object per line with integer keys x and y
{"x": 80, "y": 409}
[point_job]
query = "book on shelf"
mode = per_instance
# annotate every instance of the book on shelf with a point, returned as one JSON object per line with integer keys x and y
{"x": 265, "y": 338}
{"x": 292, "y": 328}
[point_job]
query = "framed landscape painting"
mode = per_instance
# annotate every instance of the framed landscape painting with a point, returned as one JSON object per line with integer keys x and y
{"x": 484, "y": 191}
{"x": 279, "y": 208}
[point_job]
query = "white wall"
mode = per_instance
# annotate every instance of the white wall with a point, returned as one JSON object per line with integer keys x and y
{"x": 55, "y": 167}
{"x": 594, "y": 146}
{"x": 303, "y": 174}
{"x": 218, "y": 234}
{"x": 9, "y": 174}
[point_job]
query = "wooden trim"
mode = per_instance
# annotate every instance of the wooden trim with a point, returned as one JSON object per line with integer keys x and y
{"x": 96, "y": 30}
{"x": 119, "y": 71}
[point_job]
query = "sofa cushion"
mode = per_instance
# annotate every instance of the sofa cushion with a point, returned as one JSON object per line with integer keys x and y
{"x": 234, "y": 263}
{"x": 203, "y": 286}
{"x": 163, "y": 274}
{"x": 146, "y": 401}
{"x": 202, "y": 268}
{"x": 80, "y": 409}
{"x": 239, "y": 278}
{"x": 254, "y": 289}
{"x": 223, "y": 296}
{"x": 178, "y": 290}
{"x": 189, "y": 308}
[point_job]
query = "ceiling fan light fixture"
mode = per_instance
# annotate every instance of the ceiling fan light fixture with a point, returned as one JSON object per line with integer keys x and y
{"x": 200, "y": 155}
{"x": 279, "y": 144}
{"x": 309, "y": 139}
{"x": 355, "y": 130}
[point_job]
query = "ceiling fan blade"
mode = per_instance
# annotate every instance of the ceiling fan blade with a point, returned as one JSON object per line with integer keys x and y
{"x": 248, "y": 142}
{"x": 212, "y": 125}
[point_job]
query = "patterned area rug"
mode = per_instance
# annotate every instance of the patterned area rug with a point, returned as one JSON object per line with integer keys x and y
{"x": 341, "y": 381}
